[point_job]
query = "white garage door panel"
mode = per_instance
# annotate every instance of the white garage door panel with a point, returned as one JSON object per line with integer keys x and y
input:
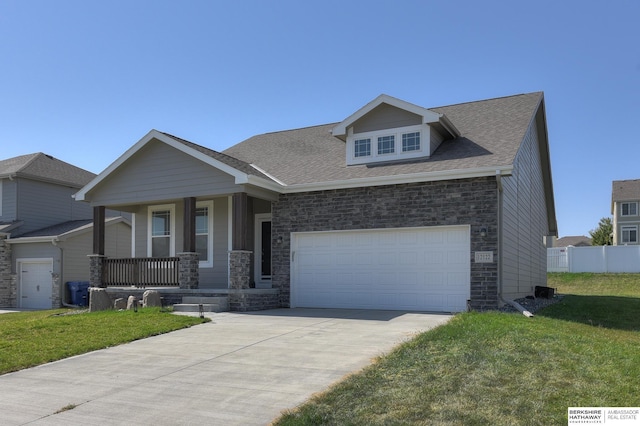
{"x": 403, "y": 269}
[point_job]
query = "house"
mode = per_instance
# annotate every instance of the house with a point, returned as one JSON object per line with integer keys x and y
{"x": 45, "y": 235}
{"x": 574, "y": 240}
{"x": 625, "y": 196}
{"x": 396, "y": 207}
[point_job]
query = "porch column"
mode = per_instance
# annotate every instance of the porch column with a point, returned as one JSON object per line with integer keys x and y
{"x": 96, "y": 260}
{"x": 98, "y": 230}
{"x": 189, "y": 270}
{"x": 189, "y": 225}
{"x": 240, "y": 226}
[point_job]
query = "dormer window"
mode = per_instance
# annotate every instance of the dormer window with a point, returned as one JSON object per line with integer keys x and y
{"x": 362, "y": 147}
{"x": 388, "y": 129}
{"x": 380, "y": 145}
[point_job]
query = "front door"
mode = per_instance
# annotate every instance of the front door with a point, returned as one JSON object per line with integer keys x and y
{"x": 262, "y": 265}
{"x": 35, "y": 284}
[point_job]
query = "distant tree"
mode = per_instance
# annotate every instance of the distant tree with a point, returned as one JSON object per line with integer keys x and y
{"x": 603, "y": 234}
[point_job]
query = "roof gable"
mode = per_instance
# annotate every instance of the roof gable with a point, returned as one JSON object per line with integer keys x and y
{"x": 424, "y": 115}
{"x": 241, "y": 172}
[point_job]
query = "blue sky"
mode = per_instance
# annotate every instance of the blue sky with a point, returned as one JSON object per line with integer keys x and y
{"x": 84, "y": 80}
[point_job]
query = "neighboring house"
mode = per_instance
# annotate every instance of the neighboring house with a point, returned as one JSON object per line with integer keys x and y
{"x": 625, "y": 196}
{"x": 396, "y": 207}
{"x": 575, "y": 241}
{"x": 44, "y": 231}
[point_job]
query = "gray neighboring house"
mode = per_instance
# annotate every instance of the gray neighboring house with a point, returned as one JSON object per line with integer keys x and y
{"x": 625, "y": 197}
{"x": 45, "y": 235}
{"x": 396, "y": 207}
{"x": 575, "y": 241}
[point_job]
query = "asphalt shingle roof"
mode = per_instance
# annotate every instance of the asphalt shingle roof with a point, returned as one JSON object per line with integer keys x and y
{"x": 40, "y": 166}
{"x": 491, "y": 133}
{"x": 624, "y": 190}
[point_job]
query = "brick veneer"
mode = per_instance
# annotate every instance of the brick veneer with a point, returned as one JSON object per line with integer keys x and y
{"x": 459, "y": 202}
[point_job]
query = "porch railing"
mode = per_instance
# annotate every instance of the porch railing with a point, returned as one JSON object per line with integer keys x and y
{"x": 141, "y": 272}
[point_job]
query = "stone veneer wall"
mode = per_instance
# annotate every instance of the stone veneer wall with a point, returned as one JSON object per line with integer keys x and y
{"x": 471, "y": 202}
{"x": 8, "y": 289}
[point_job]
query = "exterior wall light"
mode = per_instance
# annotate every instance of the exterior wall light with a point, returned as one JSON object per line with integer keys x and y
{"x": 483, "y": 231}
{"x": 279, "y": 240}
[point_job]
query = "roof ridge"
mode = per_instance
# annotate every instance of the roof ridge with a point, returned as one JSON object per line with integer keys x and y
{"x": 298, "y": 128}
{"x": 485, "y": 100}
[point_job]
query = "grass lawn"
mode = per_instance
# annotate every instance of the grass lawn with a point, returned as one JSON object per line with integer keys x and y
{"x": 502, "y": 369}
{"x": 32, "y": 338}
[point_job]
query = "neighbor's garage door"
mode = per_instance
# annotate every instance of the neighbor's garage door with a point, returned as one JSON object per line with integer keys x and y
{"x": 424, "y": 269}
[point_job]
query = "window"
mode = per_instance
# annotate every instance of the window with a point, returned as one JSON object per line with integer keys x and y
{"x": 629, "y": 234}
{"x": 386, "y": 145}
{"x": 411, "y": 141}
{"x": 204, "y": 233}
{"x": 402, "y": 143}
{"x": 161, "y": 231}
{"x": 362, "y": 147}
{"x": 629, "y": 209}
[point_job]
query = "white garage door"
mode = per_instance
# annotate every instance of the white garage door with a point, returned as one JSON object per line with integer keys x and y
{"x": 35, "y": 283}
{"x": 422, "y": 269}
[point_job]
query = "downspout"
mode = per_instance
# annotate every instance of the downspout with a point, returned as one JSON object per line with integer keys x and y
{"x": 513, "y": 303}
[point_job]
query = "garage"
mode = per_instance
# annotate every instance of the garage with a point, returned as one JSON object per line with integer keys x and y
{"x": 35, "y": 283}
{"x": 416, "y": 269}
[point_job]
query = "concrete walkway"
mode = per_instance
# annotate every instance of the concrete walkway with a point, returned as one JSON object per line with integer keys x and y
{"x": 238, "y": 369}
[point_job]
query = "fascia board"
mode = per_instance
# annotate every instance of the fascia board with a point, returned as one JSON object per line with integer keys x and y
{"x": 24, "y": 240}
{"x": 399, "y": 179}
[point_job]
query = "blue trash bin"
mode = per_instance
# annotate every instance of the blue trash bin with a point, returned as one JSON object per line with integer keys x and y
{"x": 79, "y": 291}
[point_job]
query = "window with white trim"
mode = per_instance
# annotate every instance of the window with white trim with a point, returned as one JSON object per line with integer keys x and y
{"x": 161, "y": 231}
{"x": 411, "y": 141}
{"x": 380, "y": 145}
{"x": 629, "y": 234}
{"x": 362, "y": 147}
{"x": 386, "y": 144}
{"x": 629, "y": 209}
{"x": 204, "y": 233}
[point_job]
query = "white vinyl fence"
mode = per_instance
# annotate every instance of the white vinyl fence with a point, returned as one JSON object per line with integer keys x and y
{"x": 612, "y": 259}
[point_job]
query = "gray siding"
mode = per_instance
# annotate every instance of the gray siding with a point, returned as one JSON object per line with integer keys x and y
{"x": 9, "y": 206}
{"x": 524, "y": 221}
{"x": 216, "y": 277}
{"x": 471, "y": 202}
{"x": 77, "y": 248}
{"x": 619, "y": 221}
{"x": 385, "y": 117}
{"x": 160, "y": 172}
{"x": 42, "y": 204}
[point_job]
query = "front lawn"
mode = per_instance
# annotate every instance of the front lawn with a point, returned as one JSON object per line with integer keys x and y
{"x": 32, "y": 338}
{"x": 502, "y": 369}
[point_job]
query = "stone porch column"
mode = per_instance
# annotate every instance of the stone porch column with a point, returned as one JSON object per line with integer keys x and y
{"x": 239, "y": 279}
{"x": 96, "y": 270}
{"x": 189, "y": 270}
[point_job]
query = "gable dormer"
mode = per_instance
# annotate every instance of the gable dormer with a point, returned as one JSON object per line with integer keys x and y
{"x": 389, "y": 129}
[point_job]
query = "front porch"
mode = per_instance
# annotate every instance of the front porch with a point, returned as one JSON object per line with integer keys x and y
{"x": 246, "y": 280}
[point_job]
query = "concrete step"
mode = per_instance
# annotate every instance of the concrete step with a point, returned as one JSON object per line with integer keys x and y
{"x": 204, "y": 299}
{"x": 206, "y": 307}
{"x": 209, "y": 304}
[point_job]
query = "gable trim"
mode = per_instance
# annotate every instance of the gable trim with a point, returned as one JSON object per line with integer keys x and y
{"x": 239, "y": 176}
{"x": 427, "y": 115}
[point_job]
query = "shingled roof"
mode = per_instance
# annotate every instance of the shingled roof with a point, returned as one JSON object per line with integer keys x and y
{"x": 44, "y": 167}
{"x": 491, "y": 134}
{"x": 625, "y": 190}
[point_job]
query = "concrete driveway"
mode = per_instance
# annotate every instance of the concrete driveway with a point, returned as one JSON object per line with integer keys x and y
{"x": 241, "y": 368}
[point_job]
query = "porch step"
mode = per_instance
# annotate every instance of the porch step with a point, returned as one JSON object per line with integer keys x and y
{"x": 209, "y": 304}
